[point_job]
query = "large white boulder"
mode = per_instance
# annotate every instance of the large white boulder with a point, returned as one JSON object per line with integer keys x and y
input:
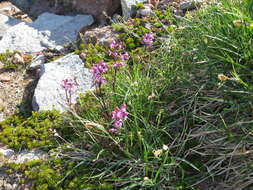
{"x": 5, "y": 23}
{"x": 128, "y": 7}
{"x": 48, "y": 31}
{"x": 49, "y": 94}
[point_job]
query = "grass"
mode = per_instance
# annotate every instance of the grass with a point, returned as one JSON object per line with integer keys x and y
{"x": 188, "y": 128}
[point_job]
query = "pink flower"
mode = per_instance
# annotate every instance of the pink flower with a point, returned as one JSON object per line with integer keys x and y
{"x": 125, "y": 56}
{"x": 119, "y": 115}
{"x": 147, "y": 39}
{"x": 119, "y": 64}
{"x": 116, "y": 45}
{"x": 97, "y": 71}
{"x": 114, "y": 54}
{"x": 118, "y": 124}
{"x": 113, "y": 44}
{"x": 68, "y": 84}
{"x": 102, "y": 67}
{"x": 113, "y": 130}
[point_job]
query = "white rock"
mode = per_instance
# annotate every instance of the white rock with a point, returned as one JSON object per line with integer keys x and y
{"x": 146, "y": 11}
{"x": 7, "y": 152}
{"x": 190, "y": 4}
{"x": 27, "y": 155}
{"x": 49, "y": 94}
{"x": 48, "y": 31}
{"x": 37, "y": 62}
{"x": 128, "y": 7}
{"x": 5, "y": 23}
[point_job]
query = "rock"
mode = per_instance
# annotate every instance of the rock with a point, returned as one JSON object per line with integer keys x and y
{"x": 95, "y": 8}
{"x": 102, "y": 35}
{"x": 4, "y": 78}
{"x": 17, "y": 58}
{"x": 23, "y": 156}
{"x": 8, "y": 153}
{"x": 29, "y": 155}
{"x": 49, "y": 94}
{"x": 23, "y": 4}
{"x": 5, "y": 23}
{"x": 37, "y": 62}
{"x": 146, "y": 11}
{"x": 128, "y": 7}
{"x": 49, "y": 31}
{"x": 190, "y": 4}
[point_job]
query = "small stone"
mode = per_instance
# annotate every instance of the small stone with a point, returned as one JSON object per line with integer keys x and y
{"x": 18, "y": 59}
{"x": 190, "y": 4}
{"x": 5, "y": 78}
{"x": 30, "y": 155}
{"x": 7, "y": 152}
{"x": 37, "y": 62}
{"x": 128, "y": 7}
{"x": 146, "y": 11}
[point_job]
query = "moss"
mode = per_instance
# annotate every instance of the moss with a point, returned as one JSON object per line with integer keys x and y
{"x": 34, "y": 131}
{"x": 57, "y": 174}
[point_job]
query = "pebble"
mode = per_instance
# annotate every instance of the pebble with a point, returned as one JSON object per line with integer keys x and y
{"x": 190, "y": 4}
{"x": 5, "y": 78}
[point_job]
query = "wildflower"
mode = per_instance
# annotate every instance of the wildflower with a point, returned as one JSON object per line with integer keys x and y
{"x": 68, "y": 84}
{"x": 113, "y": 44}
{"x": 113, "y": 53}
{"x": 119, "y": 115}
{"x": 118, "y": 124}
{"x": 237, "y": 23}
{"x": 165, "y": 147}
{"x": 157, "y": 152}
{"x": 119, "y": 64}
{"x": 223, "y": 77}
{"x": 116, "y": 45}
{"x": 97, "y": 71}
{"x": 147, "y": 39}
{"x": 113, "y": 130}
{"x": 125, "y": 56}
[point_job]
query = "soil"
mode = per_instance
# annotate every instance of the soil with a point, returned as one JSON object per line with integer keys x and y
{"x": 8, "y": 9}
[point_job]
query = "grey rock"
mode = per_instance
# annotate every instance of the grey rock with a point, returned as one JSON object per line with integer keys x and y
{"x": 49, "y": 31}
{"x": 49, "y": 94}
{"x": 37, "y": 62}
{"x": 23, "y": 4}
{"x": 29, "y": 155}
{"x": 146, "y": 11}
{"x": 128, "y": 7}
{"x": 190, "y": 4}
{"x": 7, "y": 152}
{"x": 5, "y": 23}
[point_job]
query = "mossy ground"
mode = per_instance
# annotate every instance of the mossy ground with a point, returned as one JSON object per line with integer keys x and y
{"x": 190, "y": 110}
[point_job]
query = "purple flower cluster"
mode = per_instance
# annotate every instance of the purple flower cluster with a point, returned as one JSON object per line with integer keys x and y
{"x": 97, "y": 72}
{"x": 119, "y": 115}
{"x": 69, "y": 85}
{"x": 116, "y": 45}
{"x": 148, "y": 39}
{"x": 117, "y": 52}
